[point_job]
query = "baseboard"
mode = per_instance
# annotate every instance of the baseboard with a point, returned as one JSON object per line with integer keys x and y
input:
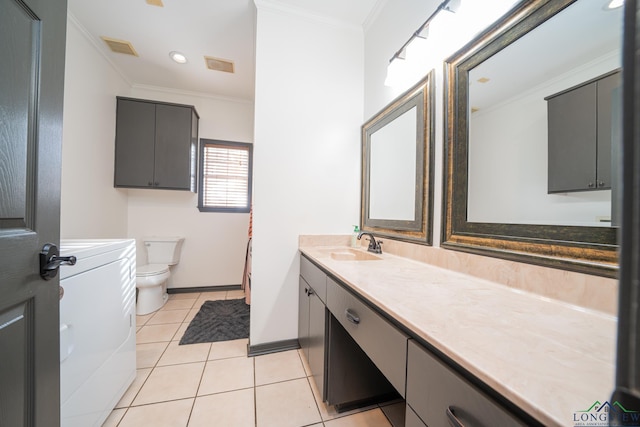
{"x": 272, "y": 347}
{"x": 204, "y": 289}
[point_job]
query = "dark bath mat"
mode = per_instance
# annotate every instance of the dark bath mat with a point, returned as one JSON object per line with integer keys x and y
{"x": 221, "y": 320}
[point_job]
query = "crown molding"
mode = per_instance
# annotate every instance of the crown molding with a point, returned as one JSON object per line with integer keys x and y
{"x": 376, "y": 10}
{"x": 191, "y": 93}
{"x": 275, "y": 6}
{"x": 97, "y": 45}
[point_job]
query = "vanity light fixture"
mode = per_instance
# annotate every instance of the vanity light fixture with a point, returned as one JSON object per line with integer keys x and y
{"x": 178, "y": 57}
{"x": 614, "y": 4}
{"x": 397, "y": 62}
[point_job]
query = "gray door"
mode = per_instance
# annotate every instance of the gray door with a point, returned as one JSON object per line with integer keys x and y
{"x": 32, "y": 46}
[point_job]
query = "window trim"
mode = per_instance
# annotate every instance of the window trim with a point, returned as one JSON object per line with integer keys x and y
{"x": 244, "y": 145}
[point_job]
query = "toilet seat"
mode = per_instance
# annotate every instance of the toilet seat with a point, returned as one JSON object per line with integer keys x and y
{"x": 151, "y": 270}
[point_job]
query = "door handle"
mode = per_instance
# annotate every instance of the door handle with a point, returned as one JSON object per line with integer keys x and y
{"x": 50, "y": 261}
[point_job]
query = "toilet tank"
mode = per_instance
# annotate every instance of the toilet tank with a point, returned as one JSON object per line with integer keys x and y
{"x": 163, "y": 250}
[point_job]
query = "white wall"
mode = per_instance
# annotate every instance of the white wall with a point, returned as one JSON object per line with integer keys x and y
{"x": 215, "y": 244}
{"x": 385, "y": 32}
{"x": 90, "y": 206}
{"x": 308, "y": 113}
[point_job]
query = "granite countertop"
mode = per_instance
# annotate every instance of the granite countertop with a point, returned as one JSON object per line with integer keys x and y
{"x": 550, "y": 358}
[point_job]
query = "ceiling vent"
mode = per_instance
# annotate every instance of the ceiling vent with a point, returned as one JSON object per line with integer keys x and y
{"x": 120, "y": 46}
{"x": 155, "y": 3}
{"x": 218, "y": 64}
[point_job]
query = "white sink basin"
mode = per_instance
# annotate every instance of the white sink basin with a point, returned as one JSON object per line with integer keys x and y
{"x": 353, "y": 255}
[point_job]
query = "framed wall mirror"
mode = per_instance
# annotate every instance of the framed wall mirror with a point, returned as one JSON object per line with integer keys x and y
{"x": 532, "y": 137}
{"x": 397, "y": 167}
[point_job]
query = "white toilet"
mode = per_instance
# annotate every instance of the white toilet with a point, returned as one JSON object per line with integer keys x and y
{"x": 151, "y": 279}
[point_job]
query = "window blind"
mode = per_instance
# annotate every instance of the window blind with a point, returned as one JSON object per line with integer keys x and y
{"x": 225, "y": 176}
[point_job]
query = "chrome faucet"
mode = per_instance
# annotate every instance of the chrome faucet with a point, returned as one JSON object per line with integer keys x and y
{"x": 374, "y": 246}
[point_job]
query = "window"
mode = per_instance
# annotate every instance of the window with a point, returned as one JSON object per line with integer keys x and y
{"x": 225, "y": 176}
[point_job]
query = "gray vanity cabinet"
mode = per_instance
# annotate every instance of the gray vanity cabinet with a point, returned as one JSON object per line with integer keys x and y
{"x": 156, "y": 145}
{"x": 312, "y": 320}
{"x": 579, "y": 136}
{"x": 383, "y": 343}
{"x": 439, "y": 397}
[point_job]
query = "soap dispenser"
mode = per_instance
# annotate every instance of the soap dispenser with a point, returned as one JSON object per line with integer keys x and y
{"x": 354, "y": 236}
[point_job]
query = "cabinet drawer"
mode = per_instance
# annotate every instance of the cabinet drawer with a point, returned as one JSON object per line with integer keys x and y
{"x": 315, "y": 277}
{"x": 433, "y": 389}
{"x": 411, "y": 419}
{"x": 385, "y": 345}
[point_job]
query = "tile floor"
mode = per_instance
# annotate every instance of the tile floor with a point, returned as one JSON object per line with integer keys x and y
{"x": 217, "y": 385}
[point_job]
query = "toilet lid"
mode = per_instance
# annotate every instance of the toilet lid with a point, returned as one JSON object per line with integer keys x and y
{"x": 151, "y": 269}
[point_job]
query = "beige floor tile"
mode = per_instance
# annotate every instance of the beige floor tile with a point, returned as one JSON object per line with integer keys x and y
{"x": 372, "y": 418}
{"x": 167, "y": 414}
{"x": 192, "y": 314}
{"x": 305, "y": 363}
{"x": 168, "y": 316}
{"x": 114, "y": 418}
{"x": 282, "y": 366}
{"x": 286, "y": 404}
{"x": 176, "y": 354}
{"x": 329, "y": 412}
{"x": 226, "y": 375}
{"x": 237, "y": 294}
{"x": 170, "y": 383}
{"x": 156, "y": 333}
{"x": 235, "y": 408}
{"x": 142, "y": 320}
{"x": 213, "y": 295}
{"x": 147, "y": 355}
{"x": 395, "y": 413}
{"x": 226, "y": 349}
{"x": 184, "y": 295}
{"x": 134, "y": 388}
{"x": 180, "y": 304}
{"x": 180, "y": 332}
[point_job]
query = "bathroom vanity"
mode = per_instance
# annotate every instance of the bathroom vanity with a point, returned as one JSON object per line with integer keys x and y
{"x": 460, "y": 350}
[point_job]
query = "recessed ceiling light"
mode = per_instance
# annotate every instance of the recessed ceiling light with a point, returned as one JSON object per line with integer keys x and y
{"x": 614, "y": 4}
{"x": 178, "y": 57}
{"x": 483, "y": 79}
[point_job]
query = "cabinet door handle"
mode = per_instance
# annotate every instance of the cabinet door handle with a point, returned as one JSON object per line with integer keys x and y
{"x": 352, "y": 316}
{"x": 150, "y": 184}
{"x": 310, "y": 292}
{"x": 600, "y": 183}
{"x": 306, "y": 291}
{"x": 453, "y": 420}
{"x": 590, "y": 185}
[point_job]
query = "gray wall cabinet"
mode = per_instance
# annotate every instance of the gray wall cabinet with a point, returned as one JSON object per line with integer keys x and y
{"x": 156, "y": 145}
{"x": 579, "y": 129}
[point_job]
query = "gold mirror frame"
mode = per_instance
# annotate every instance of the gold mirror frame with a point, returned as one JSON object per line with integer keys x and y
{"x": 591, "y": 250}
{"x": 419, "y": 230}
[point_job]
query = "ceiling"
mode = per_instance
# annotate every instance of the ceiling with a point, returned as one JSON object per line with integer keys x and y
{"x": 222, "y": 29}
{"x": 583, "y": 32}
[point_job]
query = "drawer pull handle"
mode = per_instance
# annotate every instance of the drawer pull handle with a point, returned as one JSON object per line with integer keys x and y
{"x": 453, "y": 420}
{"x": 352, "y": 317}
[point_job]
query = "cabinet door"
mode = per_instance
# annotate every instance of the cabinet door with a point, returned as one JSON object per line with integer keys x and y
{"x": 572, "y": 140}
{"x": 173, "y": 147}
{"x": 606, "y": 123}
{"x": 317, "y": 328}
{"x": 135, "y": 140}
{"x": 303, "y": 316}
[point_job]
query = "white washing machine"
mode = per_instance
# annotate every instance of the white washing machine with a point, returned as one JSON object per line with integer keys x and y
{"x": 97, "y": 328}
